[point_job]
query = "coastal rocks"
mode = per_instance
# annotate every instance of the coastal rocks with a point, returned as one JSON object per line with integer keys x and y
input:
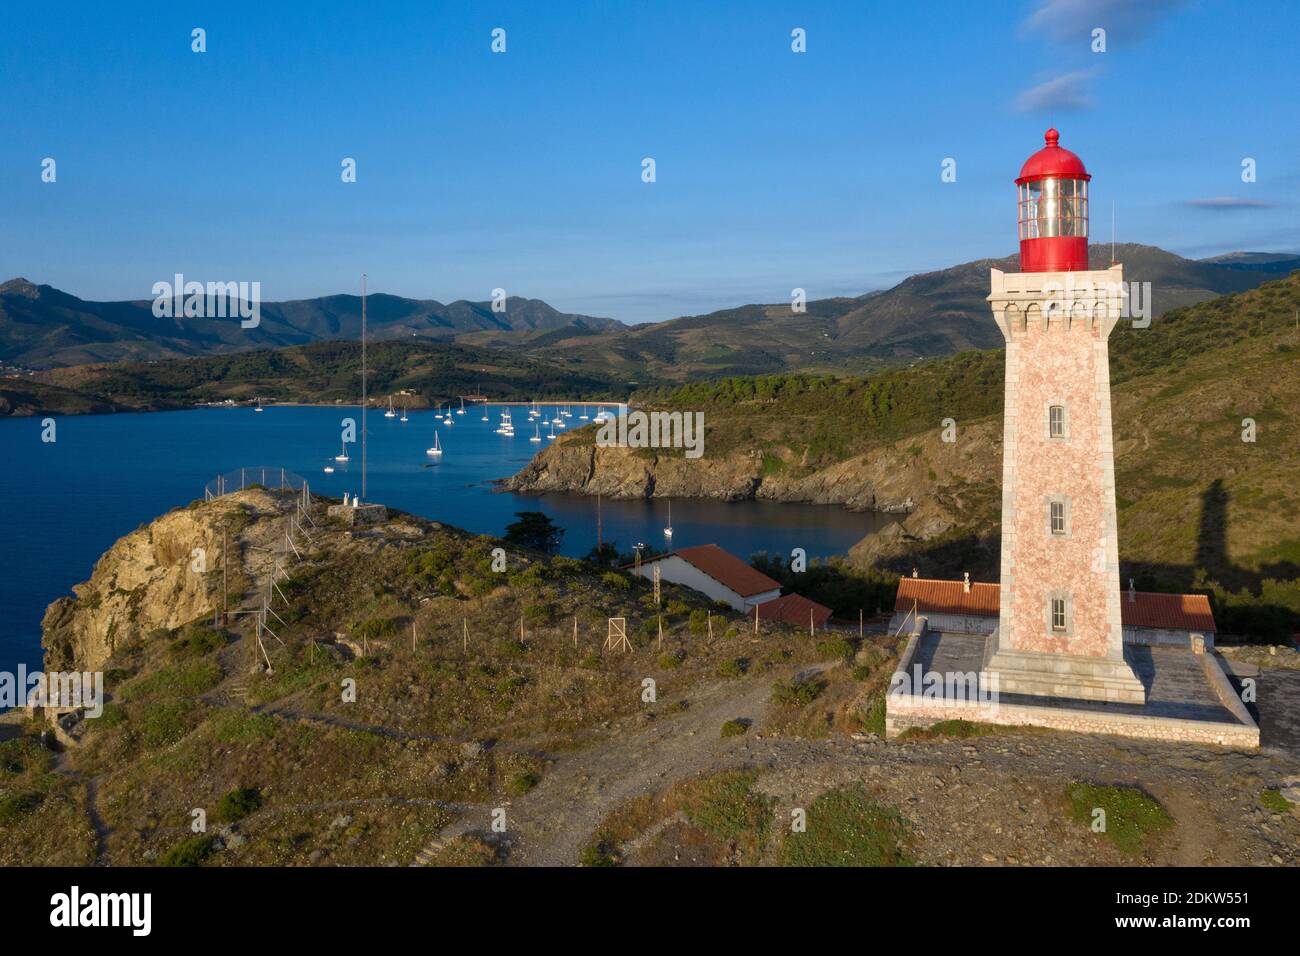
{"x": 163, "y": 575}
{"x": 935, "y": 485}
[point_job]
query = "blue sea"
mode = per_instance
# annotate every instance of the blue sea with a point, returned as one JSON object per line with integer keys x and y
{"x": 67, "y": 501}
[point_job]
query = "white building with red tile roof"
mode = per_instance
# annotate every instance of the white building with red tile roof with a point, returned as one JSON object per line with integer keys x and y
{"x": 712, "y": 571}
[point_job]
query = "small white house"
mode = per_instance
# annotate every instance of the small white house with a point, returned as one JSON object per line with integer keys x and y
{"x": 714, "y": 572}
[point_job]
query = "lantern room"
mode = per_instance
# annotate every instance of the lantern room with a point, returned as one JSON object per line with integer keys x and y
{"x": 1053, "y": 208}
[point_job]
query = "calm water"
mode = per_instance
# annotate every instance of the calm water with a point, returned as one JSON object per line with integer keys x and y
{"x": 68, "y": 501}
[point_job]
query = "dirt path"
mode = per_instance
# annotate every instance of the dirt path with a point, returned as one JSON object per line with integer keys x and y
{"x": 550, "y": 825}
{"x": 993, "y": 799}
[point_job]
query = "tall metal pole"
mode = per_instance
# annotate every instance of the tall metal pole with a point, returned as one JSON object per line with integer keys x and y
{"x": 363, "y": 386}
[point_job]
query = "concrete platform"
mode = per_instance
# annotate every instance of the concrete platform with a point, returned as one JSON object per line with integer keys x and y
{"x": 1188, "y": 696}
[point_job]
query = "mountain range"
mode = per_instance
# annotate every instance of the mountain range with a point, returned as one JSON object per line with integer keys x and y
{"x": 924, "y": 316}
{"x": 42, "y": 327}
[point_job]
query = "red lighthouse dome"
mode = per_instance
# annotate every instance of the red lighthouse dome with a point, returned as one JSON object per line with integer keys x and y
{"x": 1053, "y": 204}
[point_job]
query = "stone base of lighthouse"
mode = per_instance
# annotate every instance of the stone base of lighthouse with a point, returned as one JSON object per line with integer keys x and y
{"x": 1065, "y": 676}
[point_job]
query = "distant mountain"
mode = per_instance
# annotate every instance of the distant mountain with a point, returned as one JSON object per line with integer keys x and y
{"x": 42, "y": 327}
{"x": 926, "y": 315}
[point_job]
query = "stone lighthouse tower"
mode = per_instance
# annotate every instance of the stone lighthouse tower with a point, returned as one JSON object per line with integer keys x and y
{"x": 1059, "y": 632}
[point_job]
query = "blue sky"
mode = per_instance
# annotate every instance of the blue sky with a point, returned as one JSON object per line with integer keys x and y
{"x": 523, "y": 170}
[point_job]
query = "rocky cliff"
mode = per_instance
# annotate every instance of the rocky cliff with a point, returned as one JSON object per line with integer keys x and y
{"x": 162, "y": 575}
{"x": 937, "y": 485}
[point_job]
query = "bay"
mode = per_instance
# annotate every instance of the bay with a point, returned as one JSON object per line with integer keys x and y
{"x": 68, "y": 500}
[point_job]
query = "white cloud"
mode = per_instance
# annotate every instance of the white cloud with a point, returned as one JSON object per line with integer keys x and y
{"x": 1064, "y": 94}
{"x": 1229, "y": 202}
{"x": 1124, "y": 21}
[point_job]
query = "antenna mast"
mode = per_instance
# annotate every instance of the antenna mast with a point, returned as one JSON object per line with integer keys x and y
{"x": 363, "y": 386}
{"x": 1112, "y": 232}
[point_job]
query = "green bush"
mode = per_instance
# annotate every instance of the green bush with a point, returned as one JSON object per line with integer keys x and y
{"x": 238, "y": 803}
{"x": 734, "y": 728}
{"x": 835, "y": 647}
{"x": 197, "y": 640}
{"x": 846, "y": 827}
{"x": 165, "y": 724}
{"x": 670, "y": 661}
{"x": 796, "y": 693}
{"x": 189, "y": 852}
{"x": 699, "y": 621}
{"x": 1131, "y": 815}
{"x": 732, "y": 668}
{"x": 614, "y": 579}
{"x": 523, "y": 782}
{"x": 1274, "y": 801}
{"x": 15, "y": 806}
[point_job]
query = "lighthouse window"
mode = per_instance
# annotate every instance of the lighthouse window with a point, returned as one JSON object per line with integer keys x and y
{"x": 1058, "y": 517}
{"x": 1053, "y": 207}
{"x": 1056, "y": 421}
{"x": 1058, "y": 614}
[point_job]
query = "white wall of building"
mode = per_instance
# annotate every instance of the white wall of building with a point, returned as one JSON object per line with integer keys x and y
{"x": 678, "y": 571}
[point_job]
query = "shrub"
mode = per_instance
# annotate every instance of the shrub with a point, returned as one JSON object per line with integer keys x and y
{"x": 1131, "y": 814}
{"x": 796, "y": 693}
{"x": 732, "y": 668}
{"x": 15, "y": 806}
{"x": 671, "y": 660}
{"x": 835, "y": 647}
{"x": 734, "y": 728}
{"x": 238, "y": 803}
{"x": 613, "y": 579}
{"x": 873, "y": 721}
{"x": 522, "y": 783}
{"x": 846, "y": 827}
{"x": 165, "y": 724}
{"x": 196, "y": 641}
{"x": 376, "y": 628}
{"x": 599, "y": 854}
{"x": 1274, "y": 801}
{"x": 189, "y": 852}
{"x": 699, "y": 621}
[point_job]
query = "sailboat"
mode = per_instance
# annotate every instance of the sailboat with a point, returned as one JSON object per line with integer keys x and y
{"x": 584, "y": 415}
{"x": 343, "y": 455}
{"x": 668, "y": 531}
{"x": 436, "y": 450}
{"x": 461, "y": 410}
{"x": 552, "y": 434}
{"x": 404, "y": 418}
{"x": 601, "y": 416}
{"x": 537, "y": 434}
{"x": 259, "y": 406}
{"x": 390, "y": 413}
{"x": 485, "y": 412}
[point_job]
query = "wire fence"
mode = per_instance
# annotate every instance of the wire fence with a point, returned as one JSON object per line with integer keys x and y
{"x": 258, "y": 476}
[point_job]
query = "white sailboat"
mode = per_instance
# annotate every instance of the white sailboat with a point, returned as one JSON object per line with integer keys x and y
{"x": 390, "y": 413}
{"x": 668, "y": 531}
{"x": 461, "y": 410}
{"x": 259, "y": 406}
{"x": 343, "y": 455}
{"x": 552, "y": 434}
{"x": 537, "y": 434}
{"x": 584, "y": 416}
{"x": 436, "y": 450}
{"x": 601, "y": 416}
{"x": 404, "y": 418}
{"x": 485, "y": 412}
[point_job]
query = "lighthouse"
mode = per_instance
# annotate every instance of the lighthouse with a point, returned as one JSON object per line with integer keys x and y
{"x": 1059, "y": 632}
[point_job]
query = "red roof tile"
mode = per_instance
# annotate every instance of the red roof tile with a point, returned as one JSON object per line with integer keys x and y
{"x": 727, "y": 569}
{"x": 794, "y": 609}
{"x": 947, "y": 597}
{"x": 1177, "y": 612}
